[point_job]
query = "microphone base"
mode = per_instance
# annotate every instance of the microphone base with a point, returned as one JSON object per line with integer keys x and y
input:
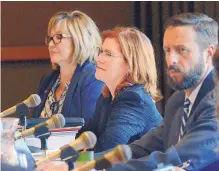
{"x": 22, "y": 111}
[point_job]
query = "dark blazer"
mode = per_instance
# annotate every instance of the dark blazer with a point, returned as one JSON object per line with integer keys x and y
{"x": 129, "y": 116}
{"x": 82, "y": 94}
{"x": 199, "y": 143}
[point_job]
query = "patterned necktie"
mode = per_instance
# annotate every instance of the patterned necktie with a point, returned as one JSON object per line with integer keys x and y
{"x": 185, "y": 117}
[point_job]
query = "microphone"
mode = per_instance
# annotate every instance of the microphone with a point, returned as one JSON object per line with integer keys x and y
{"x": 32, "y": 101}
{"x": 56, "y": 121}
{"x": 85, "y": 141}
{"x": 121, "y": 154}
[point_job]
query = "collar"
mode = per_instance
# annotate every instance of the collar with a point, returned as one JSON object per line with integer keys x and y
{"x": 194, "y": 94}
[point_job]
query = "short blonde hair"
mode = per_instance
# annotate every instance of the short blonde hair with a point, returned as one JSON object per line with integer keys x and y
{"x": 139, "y": 54}
{"x": 85, "y": 34}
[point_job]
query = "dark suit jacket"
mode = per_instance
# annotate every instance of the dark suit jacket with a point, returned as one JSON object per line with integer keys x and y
{"x": 124, "y": 119}
{"x": 82, "y": 94}
{"x": 198, "y": 144}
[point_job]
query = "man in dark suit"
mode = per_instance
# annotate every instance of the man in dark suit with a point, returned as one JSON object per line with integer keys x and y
{"x": 189, "y": 130}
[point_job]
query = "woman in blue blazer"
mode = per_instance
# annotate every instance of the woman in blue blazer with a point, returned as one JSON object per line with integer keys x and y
{"x": 126, "y": 108}
{"x": 71, "y": 88}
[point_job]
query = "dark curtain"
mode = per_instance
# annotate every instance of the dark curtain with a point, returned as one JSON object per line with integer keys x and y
{"x": 150, "y": 18}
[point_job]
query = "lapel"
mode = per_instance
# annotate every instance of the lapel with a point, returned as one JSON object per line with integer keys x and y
{"x": 206, "y": 87}
{"x": 175, "y": 128}
{"x": 72, "y": 88}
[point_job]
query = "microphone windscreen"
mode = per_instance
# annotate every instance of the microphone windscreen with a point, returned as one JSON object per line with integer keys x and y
{"x": 33, "y": 100}
{"x": 58, "y": 121}
{"x": 89, "y": 139}
{"x": 85, "y": 141}
{"x": 125, "y": 152}
{"x": 121, "y": 154}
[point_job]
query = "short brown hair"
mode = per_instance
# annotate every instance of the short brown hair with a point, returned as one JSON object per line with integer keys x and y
{"x": 139, "y": 54}
{"x": 204, "y": 26}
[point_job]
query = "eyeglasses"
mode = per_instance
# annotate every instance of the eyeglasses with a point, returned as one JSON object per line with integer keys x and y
{"x": 107, "y": 53}
{"x": 56, "y": 38}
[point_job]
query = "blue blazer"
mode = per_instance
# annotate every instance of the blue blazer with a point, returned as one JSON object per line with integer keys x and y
{"x": 82, "y": 94}
{"x": 129, "y": 116}
{"x": 199, "y": 144}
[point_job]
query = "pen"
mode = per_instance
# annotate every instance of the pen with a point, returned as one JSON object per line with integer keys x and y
{"x": 185, "y": 164}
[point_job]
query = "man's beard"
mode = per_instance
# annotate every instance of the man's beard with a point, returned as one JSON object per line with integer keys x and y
{"x": 189, "y": 79}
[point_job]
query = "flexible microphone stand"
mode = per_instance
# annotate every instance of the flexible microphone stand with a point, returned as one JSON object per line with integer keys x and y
{"x": 21, "y": 111}
{"x": 43, "y": 134}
